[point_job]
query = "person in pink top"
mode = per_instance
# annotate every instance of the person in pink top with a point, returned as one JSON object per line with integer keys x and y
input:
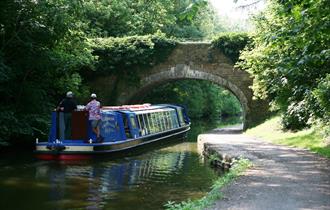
{"x": 93, "y": 107}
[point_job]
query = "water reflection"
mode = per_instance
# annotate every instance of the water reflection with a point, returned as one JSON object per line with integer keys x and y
{"x": 144, "y": 181}
{"x": 139, "y": 181}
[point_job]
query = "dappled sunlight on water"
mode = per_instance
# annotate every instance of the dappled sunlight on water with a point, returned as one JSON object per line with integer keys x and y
{"x": 142, "y": 181}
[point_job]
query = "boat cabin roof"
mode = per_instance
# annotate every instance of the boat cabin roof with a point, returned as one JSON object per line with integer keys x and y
{"x": 139, "y": 109}
{"x": 153, "y": 110}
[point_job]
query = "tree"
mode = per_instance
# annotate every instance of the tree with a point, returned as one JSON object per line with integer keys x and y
{"x": 42, "y": 45}
{"x": 46, "y": 46}
{"x": 290, "y": 59}
{"x": 181, "y": 19}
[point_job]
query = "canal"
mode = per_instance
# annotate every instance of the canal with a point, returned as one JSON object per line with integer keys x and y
{"x": 146, "y": 180}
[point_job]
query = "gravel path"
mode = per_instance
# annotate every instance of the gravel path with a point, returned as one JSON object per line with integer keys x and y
{"x": 281, "y": 178}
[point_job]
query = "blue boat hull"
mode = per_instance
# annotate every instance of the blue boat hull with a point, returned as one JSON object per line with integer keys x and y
{"x": 79, "y": 151}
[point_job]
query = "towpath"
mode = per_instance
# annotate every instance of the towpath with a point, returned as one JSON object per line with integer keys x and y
{"x": 282, "y": 178}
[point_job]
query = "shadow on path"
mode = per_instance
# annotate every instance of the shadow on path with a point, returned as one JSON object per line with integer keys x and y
{"x": 282, "y": 177}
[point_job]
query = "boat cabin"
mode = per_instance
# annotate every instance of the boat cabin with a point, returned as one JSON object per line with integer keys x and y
{"x": 120, "y": 123}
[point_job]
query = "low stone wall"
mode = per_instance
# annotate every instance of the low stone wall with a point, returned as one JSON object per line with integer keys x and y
{"x": 220, "y": 155}
{"x": 218, "y": 160}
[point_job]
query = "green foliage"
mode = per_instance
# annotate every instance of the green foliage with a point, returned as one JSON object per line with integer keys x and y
{"x": 296, "y": 117}
{"x": 291, "y": 59}
{"x": 238, "y": 168}
{"x": 41, "y": 47}
{"x": 118, "y": 18}
{"x": 124, "y": 56}
{"x": 202, "y": 98}
{"x": 322, "y": 94}
{"x": 191, "y": 11}
{"x": 231, "y": 44}
{"x": 194, "y": 20}
{"x": 49, "y": 47}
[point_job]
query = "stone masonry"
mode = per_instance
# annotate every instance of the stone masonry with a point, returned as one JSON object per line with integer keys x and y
{"x": 194, "y": 60}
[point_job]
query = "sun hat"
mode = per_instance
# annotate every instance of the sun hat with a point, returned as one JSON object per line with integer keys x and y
{"x": 69, "y": 94}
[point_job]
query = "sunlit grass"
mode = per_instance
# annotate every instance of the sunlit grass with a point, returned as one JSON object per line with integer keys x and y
{"x": 215, "y": 192}
{"x": 309, "y": 139}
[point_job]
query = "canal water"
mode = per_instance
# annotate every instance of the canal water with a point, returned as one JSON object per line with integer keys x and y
{"x": 147, "y": 180}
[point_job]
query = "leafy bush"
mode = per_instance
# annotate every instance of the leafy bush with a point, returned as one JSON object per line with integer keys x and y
{"x": 291, "y": 58}
{"x": 124, "y": 56}
{"x": 296, "y": 117}
{"x": 40, "y": 57}
{"x": 322, "y": 94}
{"x": 231, "y": 44}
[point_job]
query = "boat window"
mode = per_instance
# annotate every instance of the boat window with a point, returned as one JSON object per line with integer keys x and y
{"x": 181, "y": 119}
{"x": 149, "y": 122}
{"x": 143, "y": 126}
{"x": 152, "y": 122}
{"x": 133, "y": 122}
{"x": 159, "y": 122}
{"x": 169, "y": 120}
{"x": 146, "y": 123}
{"x": 174, "y": 119}
{"x": 140, "y": 124}
{"x": 163, "y": 120}
{"x": 156, "y": 122}
{"x": 156, "y": 118}
{"x": 127, "y": 131}
{"x": 139, "y": 120}
{"x": 168, "y": 117}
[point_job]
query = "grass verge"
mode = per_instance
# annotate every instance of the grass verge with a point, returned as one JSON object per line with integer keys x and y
{"x": 309, "y": 139}
{"x": 238, "y": 168}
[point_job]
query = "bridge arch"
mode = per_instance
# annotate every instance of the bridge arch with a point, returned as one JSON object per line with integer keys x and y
{"x": 183, "y": 72}
{"x": 187, "y": 61}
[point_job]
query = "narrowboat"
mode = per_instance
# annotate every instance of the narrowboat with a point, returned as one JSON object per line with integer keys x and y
{"x": 121, "y": 127}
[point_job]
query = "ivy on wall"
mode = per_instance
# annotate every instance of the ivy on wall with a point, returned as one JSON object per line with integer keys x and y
{"x": 231, "y": 44}
{"x": 128, "y": 55}
{"x": 125, "y": 56}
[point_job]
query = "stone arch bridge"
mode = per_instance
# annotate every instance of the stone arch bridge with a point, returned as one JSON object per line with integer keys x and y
{"x": 188, "y": 61}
